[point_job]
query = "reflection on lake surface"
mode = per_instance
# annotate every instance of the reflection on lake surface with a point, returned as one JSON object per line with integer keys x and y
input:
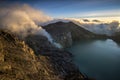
{"x": 99, "y": 58}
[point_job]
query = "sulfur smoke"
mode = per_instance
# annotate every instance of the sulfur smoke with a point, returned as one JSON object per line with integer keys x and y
{"x": 24, "y": 20}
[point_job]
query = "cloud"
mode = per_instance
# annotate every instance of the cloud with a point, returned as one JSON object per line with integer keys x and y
{"x": 107, "y": 26}
{"x": 56, "y": 20}
{"x": 86, "y": 20}
{"x": 101, "y": 28}
{"x": 95, "y": 20}
{"x": 24, "y": 20}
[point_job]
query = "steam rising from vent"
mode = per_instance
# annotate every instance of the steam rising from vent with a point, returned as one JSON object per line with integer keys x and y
{"x": 24, "y": 20}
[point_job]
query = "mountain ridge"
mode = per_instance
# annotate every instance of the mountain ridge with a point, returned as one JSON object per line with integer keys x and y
{"x": 67, "y": 33}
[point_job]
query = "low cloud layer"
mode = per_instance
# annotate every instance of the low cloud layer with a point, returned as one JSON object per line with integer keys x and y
{"x": 98, "y": 26}
{"x": 24, "y": 20}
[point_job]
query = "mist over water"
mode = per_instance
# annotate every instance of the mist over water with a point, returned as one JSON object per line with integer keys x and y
{"x": 99, "y": 59}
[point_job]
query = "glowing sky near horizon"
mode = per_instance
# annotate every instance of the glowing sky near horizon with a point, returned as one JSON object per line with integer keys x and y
{"x": 72, "y": 8}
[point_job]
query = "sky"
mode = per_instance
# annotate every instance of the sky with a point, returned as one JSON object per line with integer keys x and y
{"x": 72, "y": 8}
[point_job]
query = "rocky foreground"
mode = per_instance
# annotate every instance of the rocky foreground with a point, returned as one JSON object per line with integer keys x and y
{"x": 35, "y": 59}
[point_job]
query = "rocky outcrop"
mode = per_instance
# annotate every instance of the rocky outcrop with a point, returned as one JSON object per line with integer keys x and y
{"x": 67, "y": 33}
{"x": 35, "y": 59}
{"x": 17, "y": 60}
{"x": 116, "y": 37}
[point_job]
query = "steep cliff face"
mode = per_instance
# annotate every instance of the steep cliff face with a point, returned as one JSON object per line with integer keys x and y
{"x": 17, "y": 60}
{"x": 33, "y": 61}
{"x": 67, "y": 33}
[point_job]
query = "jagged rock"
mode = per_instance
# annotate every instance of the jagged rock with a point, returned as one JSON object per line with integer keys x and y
{"x": 18, "y": 61}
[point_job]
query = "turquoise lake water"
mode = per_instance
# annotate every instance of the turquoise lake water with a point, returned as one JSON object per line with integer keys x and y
{"x": 99, "y": 59}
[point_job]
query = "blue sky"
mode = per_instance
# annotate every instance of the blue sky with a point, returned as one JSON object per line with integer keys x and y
{"x": 73, "y": 8}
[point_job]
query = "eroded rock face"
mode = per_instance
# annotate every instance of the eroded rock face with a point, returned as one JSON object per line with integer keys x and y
{"x": 67, "y": 33}
{"x": 38, "y": 43}
{"x": 18, "y": 60}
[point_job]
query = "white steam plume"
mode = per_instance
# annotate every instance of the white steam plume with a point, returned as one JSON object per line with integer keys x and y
{"x": 24, "y": 20}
